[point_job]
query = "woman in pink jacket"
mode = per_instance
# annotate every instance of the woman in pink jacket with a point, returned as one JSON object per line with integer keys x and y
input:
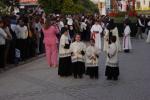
{"x": 51, "y": 42}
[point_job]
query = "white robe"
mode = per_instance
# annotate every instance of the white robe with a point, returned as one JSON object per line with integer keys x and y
{"x": 62, "y": 51}
{"x": 112, "y": 59}
{"x": 76, "y": 48}
{"x": 91, "y": 58}
{"x": 106, "y": 38}
{"x": 97, "y": 36}
{"x": 148, "y": 37}
{"x": 126, "y": 39}
{"x": 115, "y": 33}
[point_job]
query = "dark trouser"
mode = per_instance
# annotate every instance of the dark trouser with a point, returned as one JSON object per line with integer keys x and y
{"x": 41, "y": 46}
{"x": 139, "y": 33}
{"x": 2, "y": 56}
{"x": 78, "y": 69}
{"x": 22, "y": 46}
{"x": 65, "y": 67}
{"x": 127, "y": 51}
{"x": 92, "y": 72}
{"x": 32, "y": 47}
{"x": 112, "y": 72}
{"x": 11, "y": 52}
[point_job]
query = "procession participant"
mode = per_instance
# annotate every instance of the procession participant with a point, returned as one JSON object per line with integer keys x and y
{"x": 106, "y": 39}
{"x": 92, "y": 58}
{"x": 148, "y": 37}
{"x": 64, "y": 54}
{"x": 51, "y": 41}
{"x": 96, "y": 31}
{"x": 111, "y": 30}
{"x": 112, "y": 64}
{"x": 126, "y": 39}
{"x": 140, "y": 26}
{"x": 77, "y": 50}
{"x": 83, "y": 27}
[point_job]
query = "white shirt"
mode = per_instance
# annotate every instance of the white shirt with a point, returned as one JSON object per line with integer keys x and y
{"x": 83, "y": 26}
{"x": 70, "y": 21}
{"x": 38, "y": 28}
{"x": 61, "y": 25}
{"x": 21, "y": 32}
{"x": 96, "y": 28}
{"x": 3, "y": 37}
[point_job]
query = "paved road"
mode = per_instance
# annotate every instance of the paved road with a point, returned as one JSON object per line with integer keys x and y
{"x": 36, "y": 81}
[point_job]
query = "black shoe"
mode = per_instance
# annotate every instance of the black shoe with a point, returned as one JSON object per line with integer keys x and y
{"x": 80, "y": 76}
{"x": 109, "y": 78}
{"x": 115, "y": 78}
{"x": 75, "y": 76}
{"x": 96, "y": 77}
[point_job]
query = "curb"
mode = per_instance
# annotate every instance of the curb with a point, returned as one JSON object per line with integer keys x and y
{"x": 11, "y": 66}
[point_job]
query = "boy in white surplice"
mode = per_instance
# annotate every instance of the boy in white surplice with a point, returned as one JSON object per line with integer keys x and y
{"x": 77, "y": 50}
{"x": 92, "y": 59}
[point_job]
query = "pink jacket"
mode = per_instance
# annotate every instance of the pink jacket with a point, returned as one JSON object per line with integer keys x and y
{"x": 50, "y": 35}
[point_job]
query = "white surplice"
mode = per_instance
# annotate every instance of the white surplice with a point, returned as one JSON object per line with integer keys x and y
{"x": 96, "y": 31}
{"x": 148, "y": 37}
{"x": 126, "y": 38}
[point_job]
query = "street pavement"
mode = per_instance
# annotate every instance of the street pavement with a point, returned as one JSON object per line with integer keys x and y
{"x": 37, "y": 81}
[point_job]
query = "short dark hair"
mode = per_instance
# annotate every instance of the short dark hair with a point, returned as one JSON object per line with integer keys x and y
{"x": 63, "y": 30}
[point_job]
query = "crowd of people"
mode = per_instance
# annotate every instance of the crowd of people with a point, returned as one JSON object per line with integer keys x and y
{"x": 72, "y": 43}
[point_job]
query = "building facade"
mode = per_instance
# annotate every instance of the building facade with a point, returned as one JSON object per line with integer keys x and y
{"x": 142, "y": 5}
{"x": 106, "y": 6}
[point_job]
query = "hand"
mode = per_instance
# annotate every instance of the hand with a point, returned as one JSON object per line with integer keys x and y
{"x": 67, "y": 46}
{"x": 72, "y": 54}
{"x": 82, "y": 52}
{"x": 97, "y": 55}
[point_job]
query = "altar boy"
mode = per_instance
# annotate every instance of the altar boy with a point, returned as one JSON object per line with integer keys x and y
{"x": 112, "y": 65}
{"x": 92, "y": 58}
{"x": 77, "y": 50}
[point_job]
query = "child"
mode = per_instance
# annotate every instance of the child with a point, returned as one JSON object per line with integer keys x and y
{"x": 126, "y": 39}
{"x": 112, "y": 68}
{"x": 64, "y": 54}
{"x": 92, "y": 55}
{"x": 77, "y": 50}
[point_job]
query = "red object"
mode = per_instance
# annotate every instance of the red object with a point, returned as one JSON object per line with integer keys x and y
{"x": 28, "y": 1}
{"x": 132, "y": 13}
{"x": 112, "y": 14}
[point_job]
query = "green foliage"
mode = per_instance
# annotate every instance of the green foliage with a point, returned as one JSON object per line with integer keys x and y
{"x": 68, "y": 6}
{"x": 50, "y": 5}
{"x": 3, "y": 8}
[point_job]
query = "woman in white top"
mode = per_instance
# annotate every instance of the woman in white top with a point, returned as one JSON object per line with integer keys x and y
{"x": 96, "y": 31}
{"x": 126, "y": 38}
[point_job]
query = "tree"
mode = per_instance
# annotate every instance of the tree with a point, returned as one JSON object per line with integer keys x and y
{"x": 3, "y": 8}
{"x": 50, "y": 6}
{"x": 67, "y": 6}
